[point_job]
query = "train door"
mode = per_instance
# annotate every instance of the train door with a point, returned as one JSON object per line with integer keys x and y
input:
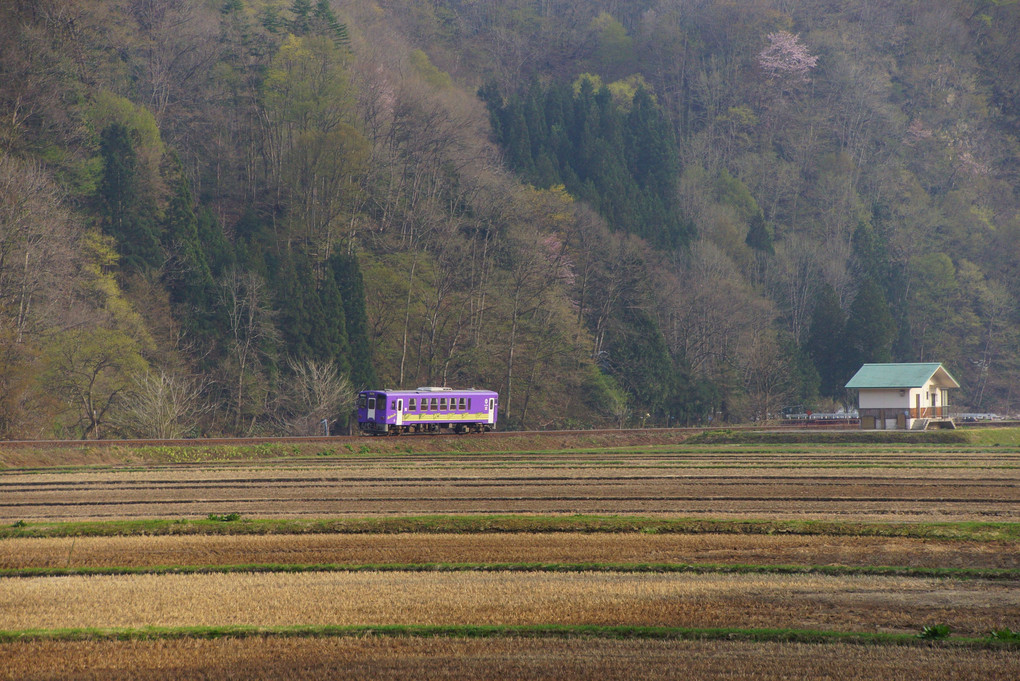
{"x": 400, "y": 412}
{"x": 371, "y": 408}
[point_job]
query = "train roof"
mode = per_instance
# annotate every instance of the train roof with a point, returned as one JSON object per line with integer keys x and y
{"x": 438, "y": 392}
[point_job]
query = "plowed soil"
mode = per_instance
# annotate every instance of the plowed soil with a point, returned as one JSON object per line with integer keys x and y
{"x": 386, "y": 659}
{"x": 729, "y": 483}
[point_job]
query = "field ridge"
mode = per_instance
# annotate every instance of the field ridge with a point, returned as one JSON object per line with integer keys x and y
{"x": 520, "y": 631}
{"x": 466, "y": 524}
{"x": 689, "y": 568}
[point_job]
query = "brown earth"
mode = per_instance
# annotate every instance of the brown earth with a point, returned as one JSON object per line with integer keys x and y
{"x": 574, "y": 548}
{"x": 384, "y": 659}
{"x": 787, "y": 484}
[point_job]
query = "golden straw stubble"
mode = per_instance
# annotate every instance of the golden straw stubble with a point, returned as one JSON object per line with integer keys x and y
{"x": 523, "y": 547}
{"x": 337, "y": 598}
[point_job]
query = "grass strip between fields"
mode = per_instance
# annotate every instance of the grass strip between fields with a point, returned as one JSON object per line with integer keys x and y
{"x": 516, "y": 631}
{"x": 660, "y": 568}
{"x": 472, "y": 524}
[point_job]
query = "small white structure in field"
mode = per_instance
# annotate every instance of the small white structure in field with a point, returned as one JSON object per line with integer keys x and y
{"x": 910, "y": 396}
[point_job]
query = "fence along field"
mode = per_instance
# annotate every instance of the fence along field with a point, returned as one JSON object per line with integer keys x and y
{"x": 850, "y": 507}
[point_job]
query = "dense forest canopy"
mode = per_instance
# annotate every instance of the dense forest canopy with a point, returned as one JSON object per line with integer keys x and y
{"x": 226, "y": 216}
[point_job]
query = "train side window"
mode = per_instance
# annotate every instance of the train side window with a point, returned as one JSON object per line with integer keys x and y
{"x": 435, "y": 404}
{"x": 469, "y": 404}
{"x": 442, "y": 404}
{"x": 461, "y": 404}
{"x": 393, "y": 404}
{"x": 412, "y": 404}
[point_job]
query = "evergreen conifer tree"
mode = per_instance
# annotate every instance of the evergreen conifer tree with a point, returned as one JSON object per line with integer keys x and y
{"x": 187, "y": 274}
{"x": 351, "y": 285}
{"x": 292, "y": 305}
{"x": 301, "y": 11}
{"x": 870, "y": 329}
{"x": 330, "y": 333}
{"x": 826, "y": 344}
{"x": 127, "y": 216}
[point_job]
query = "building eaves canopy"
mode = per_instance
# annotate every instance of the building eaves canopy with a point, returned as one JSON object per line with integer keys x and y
{"x": 909, "y": 375}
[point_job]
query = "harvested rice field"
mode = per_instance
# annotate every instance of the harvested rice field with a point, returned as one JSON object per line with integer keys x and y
{"x": 889, "y": 484}
{"x": 389, "y": 659}
{"x": 851, "y": 604}
{"x": 751, "y": 561}
{"x": 509, "y": 548}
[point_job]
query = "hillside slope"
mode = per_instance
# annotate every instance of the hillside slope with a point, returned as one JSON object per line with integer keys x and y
{"x": 224, "y": 216}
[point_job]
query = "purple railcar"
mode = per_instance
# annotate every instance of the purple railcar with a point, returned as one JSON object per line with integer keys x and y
{"x": 427, "y": 410}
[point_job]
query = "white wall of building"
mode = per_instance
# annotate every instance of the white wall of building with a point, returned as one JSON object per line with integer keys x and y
{"x": 884, "y": 399}
{"x": 896, "y": 398}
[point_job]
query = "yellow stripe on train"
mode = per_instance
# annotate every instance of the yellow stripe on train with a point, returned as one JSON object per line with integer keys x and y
{"x": 411, "y": 417}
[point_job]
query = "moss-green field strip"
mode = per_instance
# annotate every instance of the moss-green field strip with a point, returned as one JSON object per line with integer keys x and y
{"x": 518, "y": 631}
{"x": 691, "y": 568}
{"x": 971, "y": 531}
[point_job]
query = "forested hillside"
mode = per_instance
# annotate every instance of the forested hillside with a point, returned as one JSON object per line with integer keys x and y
{"x": 225, "y": 216}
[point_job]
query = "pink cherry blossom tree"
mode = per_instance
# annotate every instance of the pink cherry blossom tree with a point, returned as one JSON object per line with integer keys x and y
{"x": 786, "y": 57}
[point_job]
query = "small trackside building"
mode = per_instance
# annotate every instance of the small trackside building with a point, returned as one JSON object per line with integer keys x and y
{"x": 911, "y": 396}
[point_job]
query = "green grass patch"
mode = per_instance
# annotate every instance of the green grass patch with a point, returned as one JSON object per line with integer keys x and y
{"x": 472, "y": 524}
{"x": 996, "y": 437}
{"x": 504, "y": 631}
{"x": 630, "y": 568}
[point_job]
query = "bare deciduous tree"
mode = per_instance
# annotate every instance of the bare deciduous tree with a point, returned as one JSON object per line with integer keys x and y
{"x": 316, "y": 392}
{"x": 244, "y": 297}
{"x": 164, "y": 405}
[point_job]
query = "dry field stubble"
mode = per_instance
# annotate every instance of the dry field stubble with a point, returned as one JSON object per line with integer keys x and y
{"x": 384, "y": 659}
{"x": 553, "y": 547}
{"x": 885, "y": 484}
{"x": 916, "y": 484}
{"x": 853, "y": 604}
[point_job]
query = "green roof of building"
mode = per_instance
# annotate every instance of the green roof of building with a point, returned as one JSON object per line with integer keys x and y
{"x": 907, "y": 375}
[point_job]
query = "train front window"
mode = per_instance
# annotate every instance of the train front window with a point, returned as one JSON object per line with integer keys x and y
{"x": 362, "y": 401}
{"x": 371, "y": 403}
